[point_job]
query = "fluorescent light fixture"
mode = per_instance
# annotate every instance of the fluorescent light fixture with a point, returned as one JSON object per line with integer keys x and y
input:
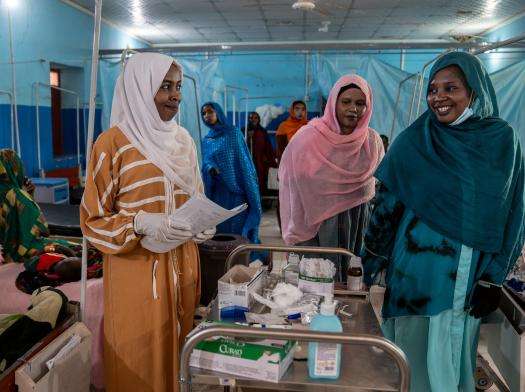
{"x": 11, "y": 3}
{"x": 225, "y": 47}
{"x": 147, "y": 31}
{"x": 136, "y": 13}
{"x": 490, "y": 7}
{"x": 138, "y": 18}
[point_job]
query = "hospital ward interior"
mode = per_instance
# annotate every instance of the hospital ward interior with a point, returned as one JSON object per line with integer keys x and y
{"x": 262, "y": 195}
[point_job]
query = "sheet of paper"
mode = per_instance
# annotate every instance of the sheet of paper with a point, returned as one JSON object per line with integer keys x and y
{"x": 200, "y": 213}
{"x": 70, "y": 345}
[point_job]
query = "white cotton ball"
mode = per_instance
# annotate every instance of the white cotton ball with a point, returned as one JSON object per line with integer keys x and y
{"x": 285, "y": 294}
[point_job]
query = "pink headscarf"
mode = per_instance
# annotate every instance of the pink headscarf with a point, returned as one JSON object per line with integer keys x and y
{"x": 323, "y": 172}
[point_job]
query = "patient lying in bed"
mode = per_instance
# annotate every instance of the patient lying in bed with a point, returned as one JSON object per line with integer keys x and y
{"x": 24, "y": 235}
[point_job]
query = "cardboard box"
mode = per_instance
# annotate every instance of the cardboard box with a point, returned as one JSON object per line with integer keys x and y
{"x": 266, "y": 359}
{"x": 234, "y": 290}
{"x": 69, "y": 374}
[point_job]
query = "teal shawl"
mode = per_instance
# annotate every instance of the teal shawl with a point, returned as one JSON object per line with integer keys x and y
{"x": 465, "y": 181}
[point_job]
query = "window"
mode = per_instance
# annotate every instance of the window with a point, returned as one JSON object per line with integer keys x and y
{"x": 54, "y": 78}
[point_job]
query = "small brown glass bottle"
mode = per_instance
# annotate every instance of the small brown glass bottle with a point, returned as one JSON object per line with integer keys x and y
{"x": 354, "y": 278}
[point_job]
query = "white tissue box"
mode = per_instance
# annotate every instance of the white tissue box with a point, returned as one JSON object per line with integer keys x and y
{"x": 264, "y": 359}
{"x": 234, "y": 290}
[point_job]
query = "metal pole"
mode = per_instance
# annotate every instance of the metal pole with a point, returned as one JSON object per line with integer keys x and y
{"x": 245, "y": 90}
{"x": 499, "y": 44}
{"x": 91, "y": 128}
{"x": 78, "y": 138}
{"x": 282, "y": 248}
{"x": 422, "y": 77}
{"x": 295, "y": 46}
{"x": 413, "y": 101}
{"x": 246, "y": 119}
{"x": 197, "y": 108}
{"x": 309, "y": 336}
{"x": 234, "y": 109}
{"x": 397, "y": 102}
{"x": 11, "y": 116}
{"x": 267, "y": 97}
{"x": 306, "y": 77}
{"x": 13, "y": 81}
{"x": 226, "y": 101}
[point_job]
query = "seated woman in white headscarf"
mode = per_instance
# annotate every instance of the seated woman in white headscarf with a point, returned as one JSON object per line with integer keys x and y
{"x": 141, "y": 170}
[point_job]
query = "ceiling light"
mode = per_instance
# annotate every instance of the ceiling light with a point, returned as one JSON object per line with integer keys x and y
{"x": 11, "y": 3}
{"x": 225, "y": 47}
{"x": 490, "y": 6}
{"x": 138, "y": 18}
{"x": 146, "y": 31}
{"x": 303, "y": 5}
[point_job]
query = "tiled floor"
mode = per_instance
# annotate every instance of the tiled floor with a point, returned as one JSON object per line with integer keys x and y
{"x": 270, "y": 234}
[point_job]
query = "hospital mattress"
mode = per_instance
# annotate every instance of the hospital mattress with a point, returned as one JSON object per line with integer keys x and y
{"x": 62, "y": 219}
{"x": 15, "y": 301}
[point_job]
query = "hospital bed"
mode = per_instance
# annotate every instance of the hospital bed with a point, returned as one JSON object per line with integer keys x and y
{"x": 62, "y": 219}
{"x": 15, "y": 301}
{"x": 7, "y": 378}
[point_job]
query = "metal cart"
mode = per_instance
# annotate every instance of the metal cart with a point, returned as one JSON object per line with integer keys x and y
{"x": 369, "y": 361}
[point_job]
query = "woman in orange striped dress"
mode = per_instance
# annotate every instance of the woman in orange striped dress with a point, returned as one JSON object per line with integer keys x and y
{"x": 141, "y": 170}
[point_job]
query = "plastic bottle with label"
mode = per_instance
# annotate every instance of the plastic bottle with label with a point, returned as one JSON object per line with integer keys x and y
{"x": 354, "y": 278}
{"x": 324, "y": 359}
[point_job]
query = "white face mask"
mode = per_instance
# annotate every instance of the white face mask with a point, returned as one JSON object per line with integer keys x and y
{"x": 467, "y": 113}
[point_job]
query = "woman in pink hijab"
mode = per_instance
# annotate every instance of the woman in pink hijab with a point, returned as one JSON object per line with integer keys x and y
{"x": 326, "y": 173}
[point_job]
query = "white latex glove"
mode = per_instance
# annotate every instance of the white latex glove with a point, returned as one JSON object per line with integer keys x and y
{"x": 161, "y": 227}
{"x": 155, "y": 246}
{"x": 204, "y": 236}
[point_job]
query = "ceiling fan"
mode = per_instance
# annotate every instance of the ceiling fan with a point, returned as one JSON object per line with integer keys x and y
{"x": 315, "y": 6}
{"x": 305, "y": 6}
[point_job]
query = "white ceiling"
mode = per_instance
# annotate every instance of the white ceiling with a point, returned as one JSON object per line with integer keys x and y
{"x": 216, "y": 21}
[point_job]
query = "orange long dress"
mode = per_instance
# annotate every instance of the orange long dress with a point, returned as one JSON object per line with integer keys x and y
{"x": 149, "y": 298}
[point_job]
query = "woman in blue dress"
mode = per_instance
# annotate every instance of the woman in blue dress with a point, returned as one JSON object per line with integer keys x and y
{"x": 228, "y": 173}
{"x": 448, "y": 224}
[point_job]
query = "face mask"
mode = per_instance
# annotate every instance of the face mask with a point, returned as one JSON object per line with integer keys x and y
{"x": 467, "y": 113}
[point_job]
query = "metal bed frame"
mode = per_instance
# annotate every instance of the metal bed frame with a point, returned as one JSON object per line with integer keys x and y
{"x": 15, "y": 137}
{"x": 246, "y": 97}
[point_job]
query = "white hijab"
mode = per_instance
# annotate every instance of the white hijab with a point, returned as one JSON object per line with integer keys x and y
{"x": 164, "y": 143}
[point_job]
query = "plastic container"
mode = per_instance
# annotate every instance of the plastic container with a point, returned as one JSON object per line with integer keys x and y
{"x": 51, "y": 190}
{"x": 324, "y": 359}
{"x": 354, "y": 279}
{"x": 291, "y": 270}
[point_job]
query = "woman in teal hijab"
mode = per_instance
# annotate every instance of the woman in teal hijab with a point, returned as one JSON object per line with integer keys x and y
{"x": 448, "y": 224}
